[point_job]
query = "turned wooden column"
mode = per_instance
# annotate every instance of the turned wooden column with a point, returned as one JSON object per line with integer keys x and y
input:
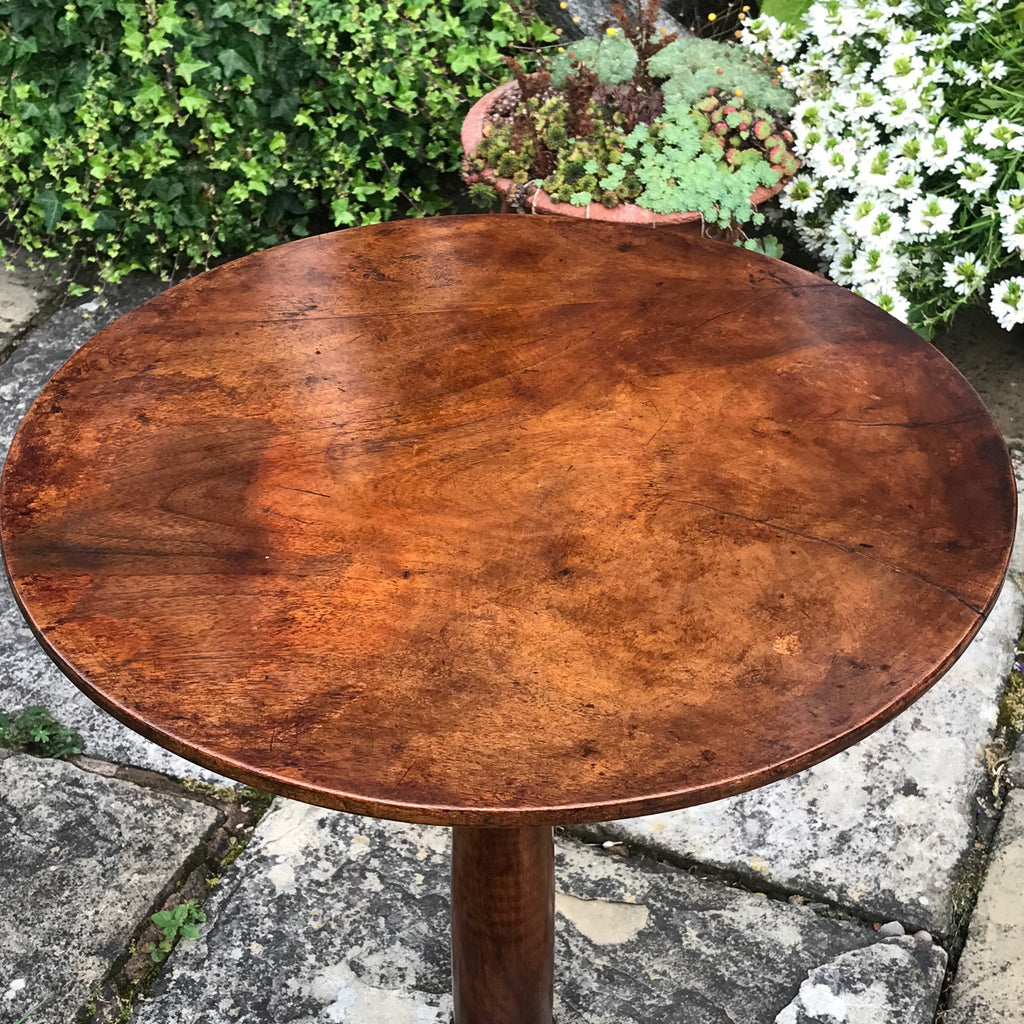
{"x": 503, "y": 925}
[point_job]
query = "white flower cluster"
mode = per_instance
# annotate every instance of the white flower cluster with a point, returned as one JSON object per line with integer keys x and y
{"x": 901, "y": 193}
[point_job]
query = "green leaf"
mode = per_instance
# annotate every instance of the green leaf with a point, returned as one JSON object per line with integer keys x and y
{"x": 133, "y": 43}
{"x": 791, "y": 11}
{"x": 233, "y": 63}
{"x": 187, "y": 68}
{"x": 51, "y": 206}
{"x": 462, "y": 59}
{"x": 150, "y": 94}
{"x": 284, "y": 107}
{"x": 192, "y": 100}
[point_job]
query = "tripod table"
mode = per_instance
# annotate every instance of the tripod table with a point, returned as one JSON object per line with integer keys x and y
{"x": 505, "y": 522}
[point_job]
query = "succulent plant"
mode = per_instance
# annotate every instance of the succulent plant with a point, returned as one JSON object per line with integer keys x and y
{"x": 672, "y": 125}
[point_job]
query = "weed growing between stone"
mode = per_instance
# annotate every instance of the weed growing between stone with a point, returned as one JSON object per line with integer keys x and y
{"x": 132, "y": 975}
{"x": 181, "y": 921}
{"x": 36, "y": 731}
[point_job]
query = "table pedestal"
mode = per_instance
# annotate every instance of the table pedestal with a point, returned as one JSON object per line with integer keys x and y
{"x": 503, "y": 925}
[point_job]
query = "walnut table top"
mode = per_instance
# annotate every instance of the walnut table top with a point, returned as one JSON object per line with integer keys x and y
{"x": 506, "y": 520}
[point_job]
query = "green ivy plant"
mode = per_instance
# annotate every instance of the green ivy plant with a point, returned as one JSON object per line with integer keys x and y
{"x": 672, "y": 125}
{"x": 36, "y": 731}
{"x": 181, "y": 921}
{"x": 161, "y": 134}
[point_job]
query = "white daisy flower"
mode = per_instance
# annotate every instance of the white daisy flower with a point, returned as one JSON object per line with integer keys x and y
{"x": 895, "y": 304}
{"x": 802, "y": 195}
{"x": 996, "y": 133}
{"x": 841, "y": 268}
{"x": 930, "y": 215}
{"x": 865, "y": 134}
{"x": 886, "y": 298}
{"x": 898, "y": 67}
{"x": 836, "y": 162}
{"x": 1006, "y": 302}
{"x": 976, "y": 175}
{"x": 908, "y": 145}
{"x": 886, "y": 228}
{"x": 866, "y": 101}
{"x": 1011, "y": 232}
{"x": 995, "y": 70}
{"x": 876, "y": 266}
{"x": 942, "y": 148}
{"x": 904, "y": 109}
{"x": 907, "y": 185}
{"x": 879, "y": 169}
{"x": 1009, "y": 201}
{"x": 966, "y": 73}
{"x": 964, "y": 274}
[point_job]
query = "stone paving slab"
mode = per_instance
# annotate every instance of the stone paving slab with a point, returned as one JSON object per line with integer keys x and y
{"x": 83, "y": 860}
{"x": 24, "y": 295}
{"x": 27, "y": 676}
{"x": 329, "y": 917}
{"x": 989, "y": 986}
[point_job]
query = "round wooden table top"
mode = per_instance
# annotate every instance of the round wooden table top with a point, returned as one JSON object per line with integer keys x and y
{"x": 506, "y": 520}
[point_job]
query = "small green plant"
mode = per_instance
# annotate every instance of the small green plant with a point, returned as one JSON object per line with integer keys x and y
{"x": 36, "y": 731}
{"x": 180, "y": 922}
{"x": 258, "y": 800}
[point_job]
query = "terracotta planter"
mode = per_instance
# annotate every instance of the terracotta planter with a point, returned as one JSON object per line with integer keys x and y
{"x": 541, "y": 202}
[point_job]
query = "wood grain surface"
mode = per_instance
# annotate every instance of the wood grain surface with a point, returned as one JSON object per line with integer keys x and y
{"x": 506, "y": 520}
{"x": 503, "y": 925}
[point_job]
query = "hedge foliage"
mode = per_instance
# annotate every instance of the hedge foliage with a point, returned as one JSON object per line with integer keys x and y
{"x": 160, "y": 134}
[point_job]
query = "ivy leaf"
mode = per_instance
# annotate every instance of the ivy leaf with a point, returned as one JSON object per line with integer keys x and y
{"x": 133, "y": 43}
{"x": 52, "y": 207}
{"x": 187, "y": 68}
{"x": 463, "y": 59}
{"x": 285, "y": 107}
{"x": 232, "y": 61}
{"x": 150, "y": 94}
{"x": 192, "y": 100}
{"x": 106, "y": 220}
